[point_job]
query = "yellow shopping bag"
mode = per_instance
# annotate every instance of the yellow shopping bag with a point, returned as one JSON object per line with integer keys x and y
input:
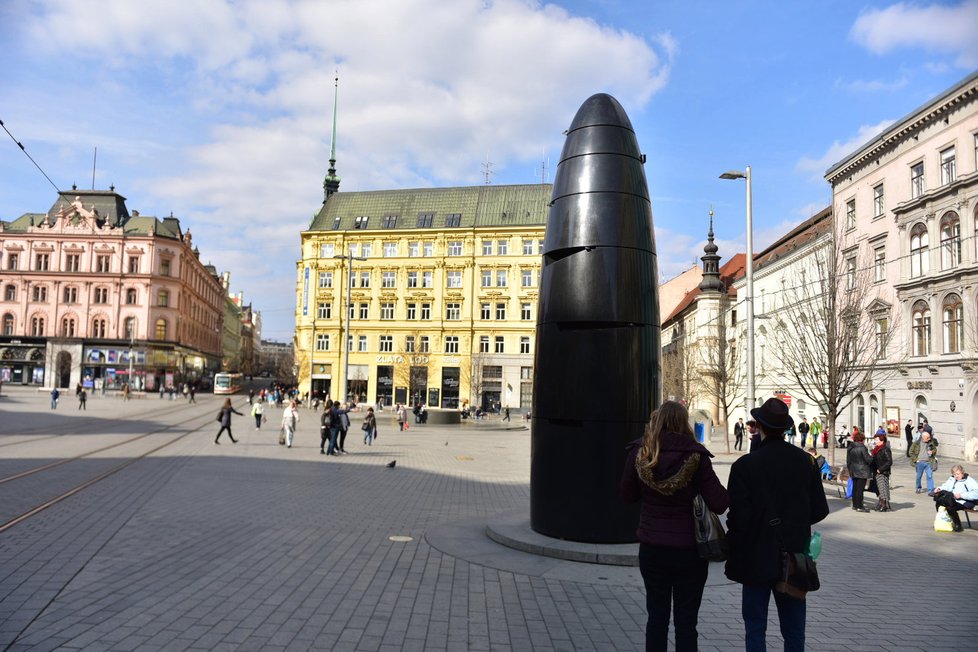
{"x": 942, "y": 522}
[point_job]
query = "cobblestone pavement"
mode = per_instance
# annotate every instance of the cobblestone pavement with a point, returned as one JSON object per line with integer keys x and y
{"x": 258, "y": 547}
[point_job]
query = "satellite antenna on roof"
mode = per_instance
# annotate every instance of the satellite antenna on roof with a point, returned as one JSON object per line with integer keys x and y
{"x": 487, "y": 170}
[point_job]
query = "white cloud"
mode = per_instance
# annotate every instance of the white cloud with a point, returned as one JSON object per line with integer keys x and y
{"x": 935, "y": 28}
{"x": 427, "y": 89}
{"x": 816, "y": 167}
{"x": 874, "y": 85}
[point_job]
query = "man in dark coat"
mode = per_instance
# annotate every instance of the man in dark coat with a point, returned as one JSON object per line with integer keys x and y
{"x": 908, "y": 431}
{"x": 776, "y": 495}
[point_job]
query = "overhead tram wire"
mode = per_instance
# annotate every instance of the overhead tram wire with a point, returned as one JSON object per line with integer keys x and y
{"x": 24, "y": 150}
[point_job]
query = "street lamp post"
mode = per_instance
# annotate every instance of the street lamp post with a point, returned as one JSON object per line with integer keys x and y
{"x": 749, "y": 397}
{"x": 346, "y": 328}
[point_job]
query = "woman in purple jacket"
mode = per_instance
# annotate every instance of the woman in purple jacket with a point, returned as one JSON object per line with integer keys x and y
{"x": 665, "y": 469}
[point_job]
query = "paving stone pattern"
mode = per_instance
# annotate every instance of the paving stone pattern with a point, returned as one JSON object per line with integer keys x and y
{"x": 257, "y": 547}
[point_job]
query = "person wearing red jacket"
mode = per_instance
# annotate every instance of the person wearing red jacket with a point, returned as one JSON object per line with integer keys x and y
{"x": 665, "y": 469}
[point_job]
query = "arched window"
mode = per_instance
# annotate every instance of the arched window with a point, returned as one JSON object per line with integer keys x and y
{"x": 10, "y": 293}
{"x": 68, "y": 327}
{"x": 921, "y": 328}
{"x": 131, "y": 296}
{"x": 37, "y": 327}
{"x": 130, "y": 328}
{"x": 98, "y": 327}
{"x": 8, "y": 324}
{"x": 919, "y": 264}
{"x": 953, "y": 317}
{"x": 950, "y": 241}
{"x": 161, "y": 329}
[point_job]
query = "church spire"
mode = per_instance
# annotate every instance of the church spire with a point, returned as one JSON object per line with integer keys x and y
{"x": 331, "y": 184}
{"x": 711, "y": 264}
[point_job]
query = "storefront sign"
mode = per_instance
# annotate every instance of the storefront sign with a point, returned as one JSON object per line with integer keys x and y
{"x": 920, "y": 384}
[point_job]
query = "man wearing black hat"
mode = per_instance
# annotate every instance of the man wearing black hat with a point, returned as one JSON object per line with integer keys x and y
{"x": 776, "y": 495}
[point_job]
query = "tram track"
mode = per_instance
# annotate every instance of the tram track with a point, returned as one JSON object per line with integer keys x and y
{"x": 67, "y": 460}
{"x": 91, "y": 426}
{"x": 102, "y": 475}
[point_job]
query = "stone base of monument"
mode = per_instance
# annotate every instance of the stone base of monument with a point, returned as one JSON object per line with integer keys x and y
{"x": 443, "y": 417}
{"x": 513, "y": 531}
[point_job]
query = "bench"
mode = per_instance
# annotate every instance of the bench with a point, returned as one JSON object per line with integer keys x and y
{"x": 839, "y": 479}
{"x": 966, "y": 511}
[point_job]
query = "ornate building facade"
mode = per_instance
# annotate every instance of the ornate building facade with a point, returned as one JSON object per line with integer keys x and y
{"x": 906, "y": 206}
{"x": 443, "y": 308}
{"x": 95, "y": 295}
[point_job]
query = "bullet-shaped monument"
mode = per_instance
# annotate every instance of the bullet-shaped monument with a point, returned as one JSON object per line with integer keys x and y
{"x": 597, "y": 376}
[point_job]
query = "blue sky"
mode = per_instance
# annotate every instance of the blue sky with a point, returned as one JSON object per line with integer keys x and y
{"x": 220, "y": 111}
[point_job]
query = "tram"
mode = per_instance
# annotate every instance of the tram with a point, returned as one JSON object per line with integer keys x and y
{"x": 225, "y": 383}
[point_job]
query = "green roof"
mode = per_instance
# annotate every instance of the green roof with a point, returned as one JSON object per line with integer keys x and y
{"x": 476, "y": 206}
{"x": 110, "y": 206}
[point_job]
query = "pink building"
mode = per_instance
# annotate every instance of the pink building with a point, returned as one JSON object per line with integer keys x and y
{"x": 92, "y": 294}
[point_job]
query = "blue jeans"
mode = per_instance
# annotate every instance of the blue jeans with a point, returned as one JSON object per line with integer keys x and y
{"x": 924, "y": 468}
{"x": 791, "y": 614}
{"x": 333, "y": 433}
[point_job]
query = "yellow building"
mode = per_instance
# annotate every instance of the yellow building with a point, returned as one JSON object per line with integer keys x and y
{"x": 443, "y": 309}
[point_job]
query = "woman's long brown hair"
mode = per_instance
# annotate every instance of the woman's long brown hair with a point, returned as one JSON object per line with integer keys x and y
{"x": 670, "y": 417}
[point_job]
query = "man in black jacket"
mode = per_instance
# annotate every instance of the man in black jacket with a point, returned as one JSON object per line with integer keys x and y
{"x": 776, "y": 495}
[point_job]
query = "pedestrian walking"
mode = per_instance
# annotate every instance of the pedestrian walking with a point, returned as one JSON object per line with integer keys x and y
{"x": 882, "y": 464}
{"x": 506, "y": 413}
{"x": 776, "y": 496}
{"x": 325, "y": 425}
{"x": 923, "y": 456}
{"x": 400, "y": 416}
{"x": 125, "y": 391}
{"x": 665, "y": 469}
{"x": 344, "y": 428}
{"x": 335, "y": 424}
{"x": 739, "y": 435}
{"x": 55, "y": 395}
{"x": 224, "y": 416}
{"x": 789, "y": 434}
{"x": 908, "y": 433}
{"x": 251, "y": 396}
{"x": 858, "y": 463}
{"x": 369, "y": 427}
{"x": 82, "y": 399}
{"x": 290, "y": 419}
{"x": 258, "y": 412}
{"x": 803, "y": 430}
{"x": 193, "y": 394}
{"x": 816, "y": 431}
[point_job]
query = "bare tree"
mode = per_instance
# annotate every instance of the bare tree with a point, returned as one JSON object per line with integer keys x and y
{"x": 722, "y": 370}
{"x": 680, "y": 377}
{"x": 833, "y": 329}
{"x": 415, "y": 367}
{"x": 475, "y": 375}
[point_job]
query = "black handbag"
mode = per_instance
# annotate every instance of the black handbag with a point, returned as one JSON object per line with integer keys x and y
{"x": 711, "y": 540}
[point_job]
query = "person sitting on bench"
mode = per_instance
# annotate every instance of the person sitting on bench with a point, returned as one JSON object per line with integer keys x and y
{"x": 821, "y": 464}
{"x": 959, "y": 492}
